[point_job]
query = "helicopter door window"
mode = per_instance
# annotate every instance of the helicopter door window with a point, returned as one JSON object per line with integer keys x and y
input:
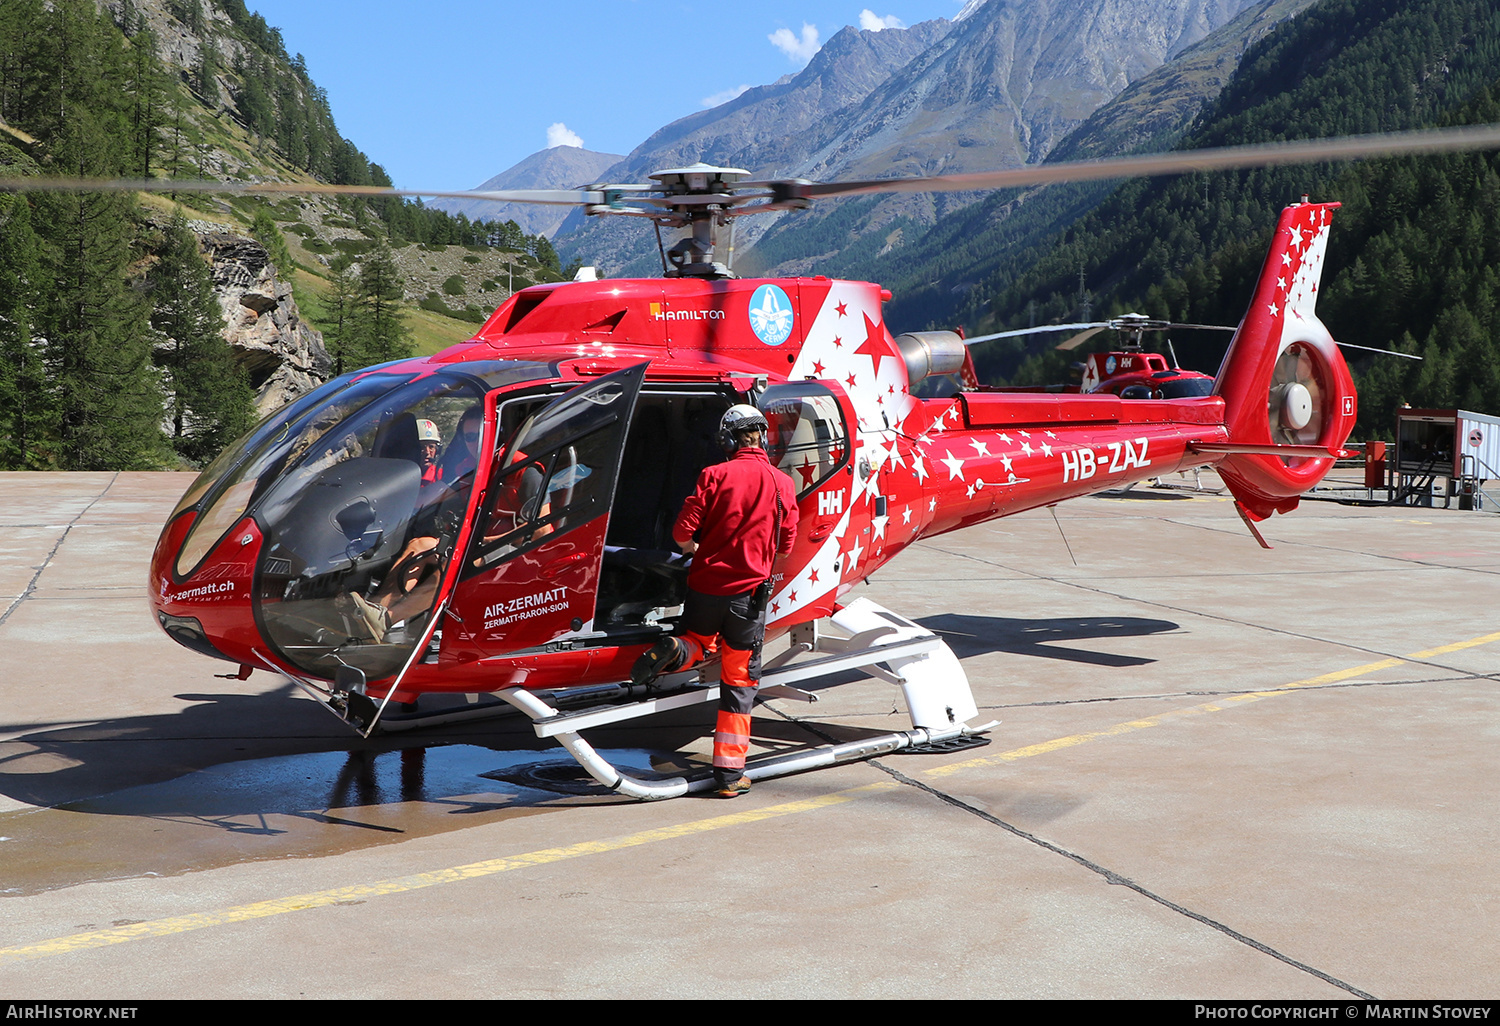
{"x": 557, "y": 472}
{"x": 808, "y": 439}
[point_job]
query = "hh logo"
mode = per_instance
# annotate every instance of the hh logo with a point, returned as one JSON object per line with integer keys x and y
{"x": 830, "y": 503}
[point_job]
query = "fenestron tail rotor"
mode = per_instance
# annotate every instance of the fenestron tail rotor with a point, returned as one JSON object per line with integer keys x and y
{"x": 1294, "y": 405}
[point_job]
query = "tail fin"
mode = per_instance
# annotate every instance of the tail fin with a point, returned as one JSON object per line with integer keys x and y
{"x": 1283, "y": 380}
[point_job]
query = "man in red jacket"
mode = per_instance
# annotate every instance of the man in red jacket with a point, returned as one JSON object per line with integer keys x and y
{"x": 743, "y": 512}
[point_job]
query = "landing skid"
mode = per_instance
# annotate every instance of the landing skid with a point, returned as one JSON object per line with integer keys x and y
{"x": 884, "y": 645}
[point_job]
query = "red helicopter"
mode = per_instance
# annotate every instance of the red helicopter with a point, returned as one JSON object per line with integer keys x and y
{"x": 1129, "y": 371}
{"x": 577, "y": 419}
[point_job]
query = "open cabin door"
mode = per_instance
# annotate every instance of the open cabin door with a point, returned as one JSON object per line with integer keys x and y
{"x": 530, "y": 573}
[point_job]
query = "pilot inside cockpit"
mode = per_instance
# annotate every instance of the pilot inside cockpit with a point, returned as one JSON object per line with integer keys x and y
{"x": 410, "y": 588}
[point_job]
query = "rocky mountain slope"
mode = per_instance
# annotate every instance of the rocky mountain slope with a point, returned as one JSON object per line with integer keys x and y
{"x": 999, "y": 88}
{"x": 1160, "y": 105}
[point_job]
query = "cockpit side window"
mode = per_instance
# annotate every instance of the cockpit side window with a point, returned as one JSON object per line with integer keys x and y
{"x": 808, "y": 439}
{"x": 555, "y": 473}
{"x": 242, "y": 447}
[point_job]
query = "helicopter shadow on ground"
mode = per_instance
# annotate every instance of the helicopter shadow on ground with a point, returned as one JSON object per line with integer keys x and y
{"x": 66, "y": 764}
{"x": 70, "y": 763}
{"x": 235, "y": 778}
{"x": 1146, "y": 494}
{"x": 971, "y": 635}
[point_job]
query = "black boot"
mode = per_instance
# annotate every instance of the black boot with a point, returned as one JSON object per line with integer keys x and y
{"x": 663, "y": 657}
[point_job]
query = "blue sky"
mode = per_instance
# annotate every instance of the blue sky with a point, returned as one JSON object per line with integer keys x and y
{"x": 447, "y": 93}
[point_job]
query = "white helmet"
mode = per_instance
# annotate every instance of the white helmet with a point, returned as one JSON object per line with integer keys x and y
{"x": 427, "y": 431}
{"x": 736, "y": 420}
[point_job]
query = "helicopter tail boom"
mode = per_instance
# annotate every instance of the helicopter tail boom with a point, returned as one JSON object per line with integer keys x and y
{"x": 1283, "y": 380}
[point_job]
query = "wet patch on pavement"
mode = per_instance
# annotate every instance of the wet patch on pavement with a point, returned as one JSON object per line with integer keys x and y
{"x": 286, "y": 806}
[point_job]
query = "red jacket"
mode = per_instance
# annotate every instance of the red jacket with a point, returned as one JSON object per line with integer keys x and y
{"x": 733, "y": 514}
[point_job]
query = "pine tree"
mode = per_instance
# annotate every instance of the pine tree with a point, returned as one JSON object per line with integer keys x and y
{"x": 98, "y": 353}
{"x": 206, "y": 74}
{"x": 264, "y": 230}
{"x": 340, "y": 304}
{"x": 209, "y": 399}
{"x": 383, "y": 335}
{"x": 148, "y": 84}
{"x": 98, "y": 345}
{"x": 25, "y": 399}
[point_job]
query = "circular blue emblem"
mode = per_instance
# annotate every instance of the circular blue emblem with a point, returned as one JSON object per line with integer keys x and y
{"x": 771, "y": 315}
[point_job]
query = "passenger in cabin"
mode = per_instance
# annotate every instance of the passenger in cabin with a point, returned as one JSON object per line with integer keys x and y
{"x": 429, "y": 443}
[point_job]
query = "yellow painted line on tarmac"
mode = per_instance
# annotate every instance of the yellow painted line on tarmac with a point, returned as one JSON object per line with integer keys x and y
{"x": 1428, "y": 653}
{"x": 417, "y": 881}
{"x": 401, "y": 884}
{"x": 1131, "y": 726}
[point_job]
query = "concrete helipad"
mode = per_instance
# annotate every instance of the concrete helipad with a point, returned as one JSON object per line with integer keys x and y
{"x": 1221, "y": 772}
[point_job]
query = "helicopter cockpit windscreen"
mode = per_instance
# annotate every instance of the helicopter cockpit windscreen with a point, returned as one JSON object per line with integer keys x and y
{"x": 277, "y": 443}
{"x": 362, "y": 521}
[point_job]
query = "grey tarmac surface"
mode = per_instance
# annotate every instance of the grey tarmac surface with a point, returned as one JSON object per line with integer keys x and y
{"x": 1221, "y": 773}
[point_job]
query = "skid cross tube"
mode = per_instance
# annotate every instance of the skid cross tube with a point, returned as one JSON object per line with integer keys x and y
{"x": 936, "y": 689}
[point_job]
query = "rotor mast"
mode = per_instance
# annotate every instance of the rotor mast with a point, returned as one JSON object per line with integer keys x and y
{"x": 702, "y": 198}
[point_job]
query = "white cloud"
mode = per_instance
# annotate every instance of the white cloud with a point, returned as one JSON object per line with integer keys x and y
{"x": 724, "y": 97}
{"x": 799, "y": 50}
{"x": 873, "y": 22}
{"x": 559, "y": 134}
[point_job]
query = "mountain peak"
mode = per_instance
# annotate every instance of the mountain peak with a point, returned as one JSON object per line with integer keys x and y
{"x": 556, "y": 167}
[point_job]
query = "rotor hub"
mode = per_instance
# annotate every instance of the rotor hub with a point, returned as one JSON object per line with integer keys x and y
{"x": 1296, "y": 406}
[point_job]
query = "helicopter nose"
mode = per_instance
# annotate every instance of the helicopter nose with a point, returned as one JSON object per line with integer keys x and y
{"x": 208, "y": 609}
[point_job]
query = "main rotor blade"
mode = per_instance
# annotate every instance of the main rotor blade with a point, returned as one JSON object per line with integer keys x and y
{"x": 1038, "y": 330}
{"x": 1473, "y": 137}
{"x": 1390, "y": 144}
{"x": 1067, "y": 345}
{"x": 1372, "y": 349}
{"x": 554, "y": 197}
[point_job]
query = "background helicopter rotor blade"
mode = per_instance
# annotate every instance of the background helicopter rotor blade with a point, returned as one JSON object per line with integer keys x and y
{"x": 1372, "y": 349}
{"x": 1092, "y": 328}
{"x": 1199, "y": 327}
{"x": 1038, "y": 330}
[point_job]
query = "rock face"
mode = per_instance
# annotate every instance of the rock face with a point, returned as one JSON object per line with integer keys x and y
{"x": 284, "y": 357}
{"x": 1007, "y": 84}
{"x": 765, "y": 129}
